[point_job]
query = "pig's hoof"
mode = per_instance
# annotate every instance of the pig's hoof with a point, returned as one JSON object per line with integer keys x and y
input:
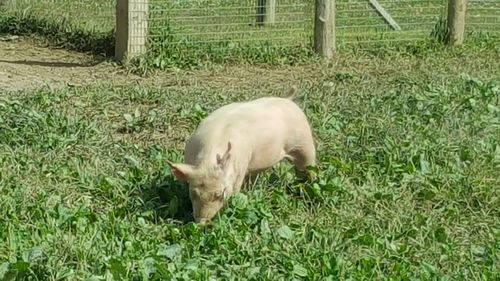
{"x": 312, "y": 176}
{"x": 307, "y": 175}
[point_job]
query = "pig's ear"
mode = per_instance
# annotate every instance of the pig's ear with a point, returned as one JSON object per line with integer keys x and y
{"x": 181, "y": 171}
{"x": 222, "y": 161}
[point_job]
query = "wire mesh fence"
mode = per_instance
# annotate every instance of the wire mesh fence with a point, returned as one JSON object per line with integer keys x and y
{"x": 90, "y": 15}
{"x": 200, "y": 27}
{"x": 360, "y": 22}
{"x": 483, "y": 16}
{"x": 226, "y": 24}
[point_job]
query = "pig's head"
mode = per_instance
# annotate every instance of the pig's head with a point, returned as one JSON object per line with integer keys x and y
{"x": 208, "y": 185}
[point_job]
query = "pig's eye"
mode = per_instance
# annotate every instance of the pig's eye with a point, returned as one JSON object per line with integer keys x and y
{"x": 219, "y": 195}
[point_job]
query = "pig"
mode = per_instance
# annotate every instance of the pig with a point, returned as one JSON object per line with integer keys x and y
{"x": 240, "y": 140}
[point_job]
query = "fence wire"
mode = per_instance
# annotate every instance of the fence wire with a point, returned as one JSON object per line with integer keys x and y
{"x": 243, "y": 22}
{"x": 359, "y": 22}
{"x": 91, "y": 15}
{"x": 483, "y": 16}
{"x": 224, "y": 23}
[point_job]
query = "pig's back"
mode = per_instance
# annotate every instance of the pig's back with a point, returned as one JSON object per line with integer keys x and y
{"x": 257, "y": 114}
{"x": 267, "y": 122}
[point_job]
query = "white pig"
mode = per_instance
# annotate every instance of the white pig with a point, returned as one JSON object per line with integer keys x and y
{"x": 242, "y": 139}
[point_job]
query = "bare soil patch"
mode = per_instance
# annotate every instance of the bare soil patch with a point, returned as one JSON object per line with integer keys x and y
{"x": 26, "y": 66}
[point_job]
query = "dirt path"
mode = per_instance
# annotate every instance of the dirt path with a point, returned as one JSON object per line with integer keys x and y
{"x": 26, "y": 66}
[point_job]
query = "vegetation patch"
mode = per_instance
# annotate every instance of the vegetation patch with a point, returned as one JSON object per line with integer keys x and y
{"x": 58, "y": 32}
{"x": 408, "y": 185}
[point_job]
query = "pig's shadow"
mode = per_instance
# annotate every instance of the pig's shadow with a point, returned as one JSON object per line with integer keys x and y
{"x": 168, "y": 198}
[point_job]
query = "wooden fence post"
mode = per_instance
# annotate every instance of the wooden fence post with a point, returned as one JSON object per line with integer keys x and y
{"x": 456, "y": 21}
{"x": 266, "y": 12}
{"x": 270, "y": 12}
{"x": 324, "y": 27}
{"x": 131, "y": 28}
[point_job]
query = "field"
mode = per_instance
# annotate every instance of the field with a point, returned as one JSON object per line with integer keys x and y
{"x": 408, "y": 152}
{"x": 408, "y": 187}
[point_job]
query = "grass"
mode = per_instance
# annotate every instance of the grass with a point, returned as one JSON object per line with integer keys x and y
{"x": 58, "y": 32}
{"x": 84, "y": 26}
{"x": 408, "y": 188}
{"x": 89, "y": 15}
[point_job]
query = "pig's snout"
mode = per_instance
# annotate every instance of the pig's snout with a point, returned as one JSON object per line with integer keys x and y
{"x": 201, "y": 221}
{"x": 204, "y": 212}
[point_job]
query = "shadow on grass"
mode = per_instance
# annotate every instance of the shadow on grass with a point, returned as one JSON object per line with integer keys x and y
{"x": 24, "y": 270}
{"x": 61, "y": 33}
{"x": 168, "y": 199}
{"x": 50, "y": 63}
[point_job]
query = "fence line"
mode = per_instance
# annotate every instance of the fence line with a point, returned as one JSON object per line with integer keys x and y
{"x": 483, "y": 16}
{"x": 358, "y": 22}
{"x": 183, "y": 26}
{"x": 225, "y": 21}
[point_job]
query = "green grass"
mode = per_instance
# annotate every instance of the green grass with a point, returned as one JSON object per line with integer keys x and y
{"x": 408, "y": 188}
{"x": 84, "y": 26}
{"x": 89, "y": 15}
{"x": 59, "y": 32}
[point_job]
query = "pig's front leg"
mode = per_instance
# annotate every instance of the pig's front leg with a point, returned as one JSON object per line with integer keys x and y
{"x": 304, "y": 155}
{"x": 251, "y": 177}
{"x": 238, "y": 183}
